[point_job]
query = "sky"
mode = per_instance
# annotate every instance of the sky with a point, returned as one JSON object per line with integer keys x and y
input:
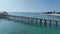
{"x": 29, "y": 5}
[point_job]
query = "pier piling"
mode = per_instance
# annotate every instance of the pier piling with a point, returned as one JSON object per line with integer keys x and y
{"x": 36, "y": 21}
{"x": 40, "y": 21}
{"x": 45, "y": 22}
{"x": 50, "y": 22}
{"x": 56, "y": 23}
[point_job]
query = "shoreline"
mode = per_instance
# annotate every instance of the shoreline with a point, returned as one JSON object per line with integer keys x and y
{"x": 54, "y": 14}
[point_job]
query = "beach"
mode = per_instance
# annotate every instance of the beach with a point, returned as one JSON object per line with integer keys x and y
{"x": 55, "y": 14}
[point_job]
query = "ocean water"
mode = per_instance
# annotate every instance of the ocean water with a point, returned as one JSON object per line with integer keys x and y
{"x": 15, "y": 27}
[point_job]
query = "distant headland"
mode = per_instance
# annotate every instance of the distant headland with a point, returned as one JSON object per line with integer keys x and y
{"x": 54, "y": 12}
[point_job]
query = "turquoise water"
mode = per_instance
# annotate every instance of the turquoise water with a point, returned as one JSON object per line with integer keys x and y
{"x": 13, "y": 27}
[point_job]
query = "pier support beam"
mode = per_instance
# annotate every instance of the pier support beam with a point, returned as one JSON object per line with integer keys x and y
{"x": 36, "y": 21}
{"x": 45, "y": 22}
{"x": 56, "y": 24}
{"x": 40, "y": 21}
{"x": 50, "y": 23}
{"x": 20, "y": 19}
{"x": 31, "y": 21}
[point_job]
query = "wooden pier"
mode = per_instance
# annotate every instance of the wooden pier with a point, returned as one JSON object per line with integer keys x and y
{"x": 31, "y": 20}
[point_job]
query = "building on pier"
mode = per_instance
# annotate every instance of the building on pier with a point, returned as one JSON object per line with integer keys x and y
{"x": 2, "y": 14}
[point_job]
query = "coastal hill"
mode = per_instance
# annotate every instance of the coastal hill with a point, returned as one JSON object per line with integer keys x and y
{"x": 51, "y": 12}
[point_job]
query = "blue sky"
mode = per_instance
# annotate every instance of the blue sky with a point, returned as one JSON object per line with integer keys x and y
{"x": 29, "y": 5}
